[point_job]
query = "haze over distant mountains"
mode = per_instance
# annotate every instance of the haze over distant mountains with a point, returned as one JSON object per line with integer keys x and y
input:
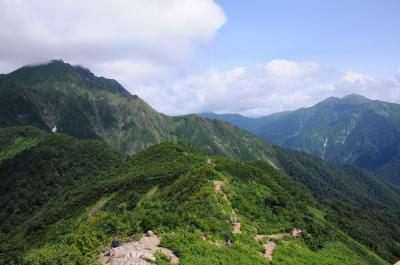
{"x": 350, "y": 130}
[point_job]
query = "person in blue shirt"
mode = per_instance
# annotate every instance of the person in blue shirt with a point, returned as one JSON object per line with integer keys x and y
{"x": 115, "y": 243}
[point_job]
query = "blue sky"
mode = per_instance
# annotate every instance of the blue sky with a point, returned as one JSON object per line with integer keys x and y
{"x": 251, "y": 57}
{"x": 362, "y": 35}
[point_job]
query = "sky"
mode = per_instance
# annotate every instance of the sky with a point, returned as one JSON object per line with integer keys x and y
{"x": 227, "y": 56}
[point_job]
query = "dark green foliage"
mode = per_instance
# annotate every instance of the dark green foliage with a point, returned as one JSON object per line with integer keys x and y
{"x": 17, "y": 139}
{"x": 14, "y": 103}
{"x": 46, "y": 171}
{"x": 355, "y": 198}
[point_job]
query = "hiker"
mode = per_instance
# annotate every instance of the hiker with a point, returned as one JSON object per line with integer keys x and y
{"x": 229, "y": 243}
{"x": 108, "y": 251}
{"x": 115, "y": 243}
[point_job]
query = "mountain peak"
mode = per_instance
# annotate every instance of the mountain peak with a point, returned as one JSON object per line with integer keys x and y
{"x": 59, "y": 70}
{"x": 355, "y": 99}
{"x": 351, "y": 99}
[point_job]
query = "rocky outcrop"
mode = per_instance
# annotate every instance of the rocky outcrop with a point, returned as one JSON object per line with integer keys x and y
{"x": 141, "y": 252}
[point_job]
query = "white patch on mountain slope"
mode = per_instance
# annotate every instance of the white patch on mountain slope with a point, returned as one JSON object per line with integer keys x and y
{"x": 324, "y": 149}
{"x": 346, "y": 132}
{"x": 54, "y": 129}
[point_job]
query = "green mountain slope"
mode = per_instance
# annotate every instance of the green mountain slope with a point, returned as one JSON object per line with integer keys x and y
{"x": 63, "y": 199}
{"x": 351, "y": 130}
{"x": 16, "y": 140}
{"x": 70, "y": 99}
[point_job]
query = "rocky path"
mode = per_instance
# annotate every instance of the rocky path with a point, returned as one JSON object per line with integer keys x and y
{"x": 218, "y": 185}
{"x": 235, "y": 224}
{"x": 139, "y": 252}
{"x": 269, "y": 246}
{"x": 274, "y": 236}
{"x": 268, "y": 249}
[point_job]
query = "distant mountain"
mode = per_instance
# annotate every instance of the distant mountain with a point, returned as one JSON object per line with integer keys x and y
{"x": 63, "y": 199}
{"x": 236, "y": 119}
{"x": 49, "y": 181}
{"x": 351, "y": 130}
{"x": 243, "y": 122}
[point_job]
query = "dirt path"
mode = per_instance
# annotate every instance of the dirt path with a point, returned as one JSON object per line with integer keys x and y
{"x": 268, "y": 249}
{"x": 218, "y": 185}
{"x": 151, "y": 192}
{"x": 294, "y": 233}
{"x": 273, "y": 236}
{"x": 397, "y": 263}
{"x": 98, "y": 206}
{"x": 138, "y": 252}
{"x": 279, "y": 235}
{"x": 236, "y": 228}
{"x": 235, "y": 224}
{"x": 269, "y": 246}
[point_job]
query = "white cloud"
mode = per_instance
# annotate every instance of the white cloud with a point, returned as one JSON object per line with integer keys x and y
{"x": 262, "y": 89}
{"x": 142, "y": 37}
{"x": 142, "y": 43}
{"x": 290, "y": 69}
{"x": 354, "y": 77}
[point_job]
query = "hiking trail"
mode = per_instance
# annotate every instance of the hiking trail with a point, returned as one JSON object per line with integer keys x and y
{"x": 269, "y": 246}
{"x": 235, "y": 224}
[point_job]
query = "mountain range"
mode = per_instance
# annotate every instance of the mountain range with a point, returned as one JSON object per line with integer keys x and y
{"x": 71, "y": 100}
{"x": 350, "y": 130}
{"x": 83, "y": 160}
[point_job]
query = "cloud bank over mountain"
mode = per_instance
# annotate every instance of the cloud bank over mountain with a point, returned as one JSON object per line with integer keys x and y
{"x": 277, "y": 85}
{"x": 129, "y": 40}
